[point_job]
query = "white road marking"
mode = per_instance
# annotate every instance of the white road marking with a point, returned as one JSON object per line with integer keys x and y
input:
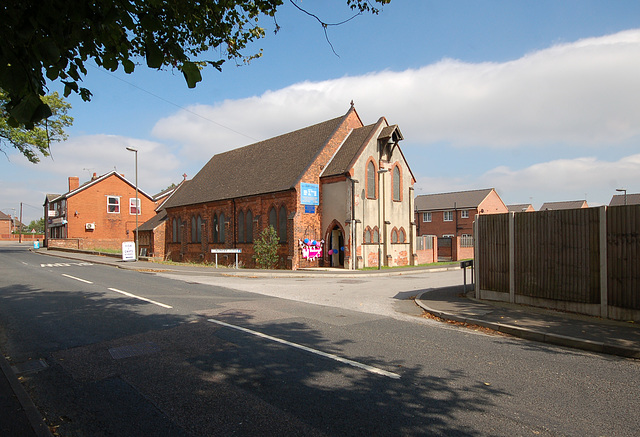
{"x": 77, "y": 279}
{"x": 313, "y": 351}
{"x": 141, "y": 298}
{"x": 66, "y": 264}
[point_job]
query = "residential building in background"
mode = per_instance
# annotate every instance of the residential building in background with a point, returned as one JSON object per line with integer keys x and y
{"x": 521, "y": 207}
{"x": 99, "y": 214}
{"x": 570, "y": 204}
{"x": 449, "y": 216}
{"x": 620, "y": 199}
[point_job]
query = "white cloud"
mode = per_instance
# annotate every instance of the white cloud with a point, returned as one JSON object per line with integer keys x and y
{"x": 581, "y": 93}
{"x": 557, "y": 180}
{"x": 82, "y": 156}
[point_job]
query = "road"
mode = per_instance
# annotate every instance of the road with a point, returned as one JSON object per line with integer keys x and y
{"x": 107, "y": 351}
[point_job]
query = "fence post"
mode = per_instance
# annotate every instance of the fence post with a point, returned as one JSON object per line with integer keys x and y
{"x": 602, "y": 222}
{"x": 476, "y": 255}
{"x": 512, "y": 258}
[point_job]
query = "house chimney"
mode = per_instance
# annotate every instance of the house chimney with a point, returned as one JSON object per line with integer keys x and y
{"x": 74, "y": 182}
{"x": 94, "y": 177}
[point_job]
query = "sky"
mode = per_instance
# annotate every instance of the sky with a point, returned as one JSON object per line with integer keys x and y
{"x": 537, "y": 99}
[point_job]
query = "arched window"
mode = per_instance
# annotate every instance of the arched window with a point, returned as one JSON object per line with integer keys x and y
{"x": 194, "y": 230}
{"x": 174, "y": 236}
{"x": 199, "y": 229}
{"x": 367, "y": 235}
{"x": 215, "y": 228}
{"x": 273, "y": 218}
{"x": 394, "y": 235}
{"x": 240, "y": 227}
{"x": 376, "y": 235}
{"x": 371, "y": 180}
{"x": 221, "y": 231}
{"x": 402, "y": 236}
{"x": 397, "y": 184}
{"x": 282, "y": 224}
{"x": 249, "y": 227}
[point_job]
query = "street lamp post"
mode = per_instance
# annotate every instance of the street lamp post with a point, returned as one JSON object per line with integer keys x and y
{"x": 131, "y": 149}
{"x": 625, "y": 194}
{"x": 380, "y": 209}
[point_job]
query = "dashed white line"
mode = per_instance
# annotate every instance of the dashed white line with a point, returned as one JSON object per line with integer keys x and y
{"x": 313, "y": 351}
{"x": 77, "y": 279}
{"x": 141, "y": 298}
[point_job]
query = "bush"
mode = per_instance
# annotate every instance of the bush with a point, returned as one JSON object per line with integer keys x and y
{"x": 266, "y": 249}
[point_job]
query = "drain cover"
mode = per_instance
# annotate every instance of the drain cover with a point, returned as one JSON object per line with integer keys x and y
{"x": 27, "y": 367}
{"x": 133, "y": 350}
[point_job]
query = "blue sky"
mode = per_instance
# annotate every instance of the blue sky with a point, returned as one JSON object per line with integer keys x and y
{"x": 538, "y": 99}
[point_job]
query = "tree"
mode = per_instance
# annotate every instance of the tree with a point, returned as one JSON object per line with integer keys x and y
{"x": 38, "y": 225}
{"x": 266, "y": 249}
{"x": 36, "y": 141}
{"x": 53, "y": 40}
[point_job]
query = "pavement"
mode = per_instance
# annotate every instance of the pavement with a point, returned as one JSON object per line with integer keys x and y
{"x": 19, "y": 417}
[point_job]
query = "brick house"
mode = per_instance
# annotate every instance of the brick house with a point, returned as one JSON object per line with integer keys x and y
{"x": 6, "y": 225}
{"x": 569, "y": 204}
{"x": 450, "y": 216}
{"x": 521, "y": 207}
{"x": 101, "y": 213}
{"x": 339, "y": 184}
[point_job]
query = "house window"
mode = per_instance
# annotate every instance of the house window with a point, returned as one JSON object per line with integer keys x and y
{"x": 132, "y": 206}
{"x": 448, "y": 216}
{"x": 376, "y": 235}
{"x": 447, "y": 235}
{"x": 240, "y": 227}
{"x": 401, "y": 236}
{"x": 113, "y": 204}
{"x": 371, "y": 180}
{"x": 397, "y": 188}
{"x": 273, "y": 219}
{"x": 199, "y": 229}
{"x": 249, "y": 227}
{"x": 466, "y": 240}
{"x": 394, "y": 236}
{"x": 426, "y": 216}
{"x": 196, "y": 229}
{"x": 464, "y": 213}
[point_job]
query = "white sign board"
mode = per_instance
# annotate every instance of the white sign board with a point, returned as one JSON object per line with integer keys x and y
{"x": 128, "y": 251}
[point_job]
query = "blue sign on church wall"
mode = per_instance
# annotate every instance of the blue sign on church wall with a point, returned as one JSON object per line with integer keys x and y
{"x": 309, "y": 194}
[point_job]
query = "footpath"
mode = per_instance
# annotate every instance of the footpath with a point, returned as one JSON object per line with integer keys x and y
{"x": 18, "y": 415}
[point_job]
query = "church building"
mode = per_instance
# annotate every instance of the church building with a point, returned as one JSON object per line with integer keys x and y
{"x": 338, "y": 193}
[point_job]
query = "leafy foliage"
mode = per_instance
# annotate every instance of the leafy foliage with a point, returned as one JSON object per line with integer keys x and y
{"x": 38, "y": 225}
{"x": 266, "y": 249}
{"x": 34, "y": 142}
{"x": 53, "y": 39}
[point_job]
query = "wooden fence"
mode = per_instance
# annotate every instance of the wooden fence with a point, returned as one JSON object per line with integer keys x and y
{"x": 581, "y": 260}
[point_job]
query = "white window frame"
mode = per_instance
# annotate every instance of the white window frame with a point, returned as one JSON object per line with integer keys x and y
{"x": 448, "y": 214}
{"x": 448, "y": 235}
{"x": 426, "y": 217}
{"x": 117, "y": 205}
{"x": 132, "y": 202}
{"x": 464, "y": 213}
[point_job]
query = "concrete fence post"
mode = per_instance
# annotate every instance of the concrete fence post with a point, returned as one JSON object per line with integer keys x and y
{"x": 512, "y": 258}
{"x": 602, "y": 222}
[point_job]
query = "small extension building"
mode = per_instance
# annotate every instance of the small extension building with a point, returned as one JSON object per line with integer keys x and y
{"x": 338, "y": 193}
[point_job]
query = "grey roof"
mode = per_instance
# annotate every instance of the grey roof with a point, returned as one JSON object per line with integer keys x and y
{"x": 519, "y": 207}
{"x": 569, "y": 204}
{"x": 618, "y": 199}
{"x": 445, "y": 201}
{"x": 268, "y": 166}
{"x": 154, "y": 221}
{"x": 342, "y": 161}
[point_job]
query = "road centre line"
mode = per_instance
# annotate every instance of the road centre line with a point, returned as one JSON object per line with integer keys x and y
{"x": 77, "y": 279}
{"x": 141, "y": 298}
{"x": 308, "y": 349}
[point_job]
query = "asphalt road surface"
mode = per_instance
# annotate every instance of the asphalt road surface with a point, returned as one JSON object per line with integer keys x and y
{"x": 105, "y": 351}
